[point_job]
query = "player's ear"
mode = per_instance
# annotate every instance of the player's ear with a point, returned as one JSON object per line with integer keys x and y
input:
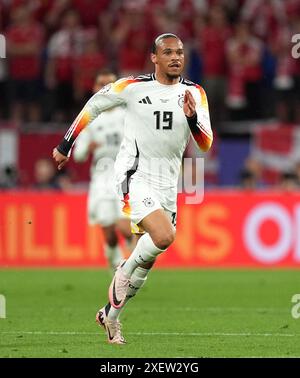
{"x": 153, "y": 58}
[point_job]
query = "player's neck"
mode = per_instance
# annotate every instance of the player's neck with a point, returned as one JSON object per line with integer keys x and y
{"x": 166, "y": 80}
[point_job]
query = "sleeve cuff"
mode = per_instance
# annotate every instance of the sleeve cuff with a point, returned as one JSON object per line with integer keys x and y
{"x": 64, "y": 147}
{"x": 192, "y": 121}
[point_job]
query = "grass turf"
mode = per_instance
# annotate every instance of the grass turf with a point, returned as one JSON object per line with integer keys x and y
{"x": 179, "y": 313}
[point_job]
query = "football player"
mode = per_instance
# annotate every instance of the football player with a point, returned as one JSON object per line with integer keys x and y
{"x": 162, "y": 111}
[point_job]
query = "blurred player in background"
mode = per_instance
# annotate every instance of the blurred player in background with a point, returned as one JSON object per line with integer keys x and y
{"x": 102, "y": 139}
{"x": 162, "y": 111}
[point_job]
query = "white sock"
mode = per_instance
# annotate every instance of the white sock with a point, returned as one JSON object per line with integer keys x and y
{"x": 113, "y": 255}
{"x": 145, "y": 251}
{"x": 137, "y": 280}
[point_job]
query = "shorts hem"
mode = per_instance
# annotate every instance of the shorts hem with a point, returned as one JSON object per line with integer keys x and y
{"x": 146, "y": 214}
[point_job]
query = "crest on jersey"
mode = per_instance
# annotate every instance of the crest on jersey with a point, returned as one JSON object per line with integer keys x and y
{"x": 181, "y": 100}
{"x": 105, "y": 89}
{"x": 148, "y": 202}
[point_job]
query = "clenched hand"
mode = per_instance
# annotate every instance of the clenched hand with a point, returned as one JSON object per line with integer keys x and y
{"x": 59, "y": 158}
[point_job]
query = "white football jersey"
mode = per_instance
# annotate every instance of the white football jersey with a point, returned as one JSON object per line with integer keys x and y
{"x": 156, "y": 130}
{"x": 106, "y": 131}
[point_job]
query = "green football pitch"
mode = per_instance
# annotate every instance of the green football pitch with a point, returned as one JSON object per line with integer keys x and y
{"x": 179, "y": 313}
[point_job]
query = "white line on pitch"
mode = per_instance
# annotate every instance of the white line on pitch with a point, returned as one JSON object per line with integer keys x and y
{"x": 244, "y": 334}
{"x": 228, "y": 309}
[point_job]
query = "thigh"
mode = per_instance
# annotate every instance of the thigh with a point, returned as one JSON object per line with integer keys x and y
{"x": 156, "y": 223}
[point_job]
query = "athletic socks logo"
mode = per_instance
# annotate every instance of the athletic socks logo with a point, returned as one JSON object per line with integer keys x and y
{"x": 140, "y": 257}
{"x": 145, "y": 100}
{"x": 109, "y": 334}
{"x": 116, "y": 301}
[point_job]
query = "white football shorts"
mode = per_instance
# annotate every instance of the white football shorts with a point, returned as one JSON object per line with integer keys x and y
{"x": 142, "y": 199}
{"x": 104, "y": 210}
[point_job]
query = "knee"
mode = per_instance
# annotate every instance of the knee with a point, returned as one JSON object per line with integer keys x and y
{"x": 111, "y": 239}
{"x": 164, "y": 239}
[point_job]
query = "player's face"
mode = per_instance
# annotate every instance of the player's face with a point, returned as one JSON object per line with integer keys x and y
{"x": 169, "y": 57}
{"x": 103, "y": 80}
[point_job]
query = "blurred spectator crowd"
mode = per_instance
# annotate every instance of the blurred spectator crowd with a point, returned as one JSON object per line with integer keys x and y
{"x": 239, "y": 50}
{"x": 46, "y": 177}
{"x": 251, "y": 177}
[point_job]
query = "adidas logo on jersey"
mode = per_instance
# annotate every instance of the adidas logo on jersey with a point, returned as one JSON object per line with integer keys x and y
{"x": 145, "y": 100}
